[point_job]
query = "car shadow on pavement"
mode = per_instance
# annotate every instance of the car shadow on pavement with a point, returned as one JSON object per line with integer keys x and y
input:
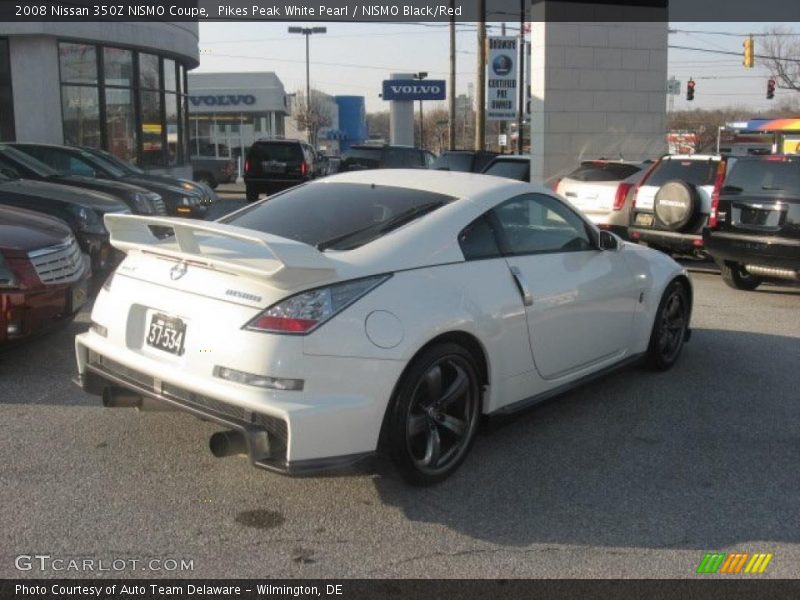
{"x": 702, "y": 456}
{"x": 40, "y": 370}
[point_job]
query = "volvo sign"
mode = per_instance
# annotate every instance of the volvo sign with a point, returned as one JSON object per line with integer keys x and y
{"x": 224, "y": 100}
{"x": 414, "y": 89}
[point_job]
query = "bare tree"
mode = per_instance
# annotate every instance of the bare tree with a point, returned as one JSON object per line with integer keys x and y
{"x": 782, "y": 52}
{"x": 313, "y": 116}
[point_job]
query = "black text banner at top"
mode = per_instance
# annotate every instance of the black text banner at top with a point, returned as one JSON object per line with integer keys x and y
{"x": 434, "y": 12}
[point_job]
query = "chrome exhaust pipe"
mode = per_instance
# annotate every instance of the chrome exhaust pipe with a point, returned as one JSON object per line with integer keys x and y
{"x": 120, "y": 398}
{"x": 227, "y": 443}
{"x": 776, "y": 273}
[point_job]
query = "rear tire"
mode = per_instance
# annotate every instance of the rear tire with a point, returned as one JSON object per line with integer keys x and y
{"x": 252, "y": 195}
{"x": 737, "y": 277}
{"x": 434, "y": 414}
{"x": 669, "y": 328}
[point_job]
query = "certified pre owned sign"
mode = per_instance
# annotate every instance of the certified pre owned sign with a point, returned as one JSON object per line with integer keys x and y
{"x": 501, "y": 83}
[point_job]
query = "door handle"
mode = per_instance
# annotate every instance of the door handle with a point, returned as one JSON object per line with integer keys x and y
{"x": 522, "y": 286}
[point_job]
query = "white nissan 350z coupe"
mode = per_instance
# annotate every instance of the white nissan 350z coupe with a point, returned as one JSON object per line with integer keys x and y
{"x": 384, "y": 310}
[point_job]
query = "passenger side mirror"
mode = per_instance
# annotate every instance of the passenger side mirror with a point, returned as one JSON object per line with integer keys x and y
{"x": 9, "y": 172}
{"x": 609, "y": 241}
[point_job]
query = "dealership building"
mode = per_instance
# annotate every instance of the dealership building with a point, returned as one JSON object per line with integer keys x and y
{"x": 118, "y": 86}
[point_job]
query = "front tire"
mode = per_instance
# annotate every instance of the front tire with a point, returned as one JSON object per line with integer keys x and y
{"x": 434, "y": 414}
{"x": 737, "y": 277}
{"x": 669, "y": 328}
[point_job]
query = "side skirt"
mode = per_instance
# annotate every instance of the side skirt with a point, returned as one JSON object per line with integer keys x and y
{"x": 502, "y": 414}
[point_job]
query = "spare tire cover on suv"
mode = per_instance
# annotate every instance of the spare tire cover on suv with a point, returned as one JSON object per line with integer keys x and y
{"x": 675, "y": 204}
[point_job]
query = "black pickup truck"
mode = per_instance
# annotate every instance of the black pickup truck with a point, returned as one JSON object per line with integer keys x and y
{"x": 757, "y": 236}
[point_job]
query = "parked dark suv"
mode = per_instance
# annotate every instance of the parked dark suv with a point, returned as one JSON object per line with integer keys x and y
{"x": 275, "y": 165}
{"x": 372, "y": 156}
{"x": 757, "y": 235}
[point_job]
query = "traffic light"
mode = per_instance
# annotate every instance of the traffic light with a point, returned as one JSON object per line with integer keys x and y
{"x": 749, "y": 57}
{"x": 770, "y": 89}
{"x": 690, "y": 90}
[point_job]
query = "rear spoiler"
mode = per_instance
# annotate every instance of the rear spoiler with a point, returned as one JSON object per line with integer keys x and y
{"x": 268, "y": 258}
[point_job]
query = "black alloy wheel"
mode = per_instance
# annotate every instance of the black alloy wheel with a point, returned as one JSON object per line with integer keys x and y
{"x": 435, "y": 414}
{"x": 669, "y": 329}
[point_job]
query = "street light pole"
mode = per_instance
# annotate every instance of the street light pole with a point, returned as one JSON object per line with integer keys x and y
{"x": 420, "y": 76}
{"x": 308, "y": 31}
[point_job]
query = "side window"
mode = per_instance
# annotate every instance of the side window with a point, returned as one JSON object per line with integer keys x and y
{"x": 478, "y": 240}
{"x": 79, "y": 167}
{"x": 536, "y": 224}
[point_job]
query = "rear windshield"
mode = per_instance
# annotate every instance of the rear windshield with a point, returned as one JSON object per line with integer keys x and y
{"x": 696, "y": 172}
{"x": 603, "y": 172}
{"x": 455, "y": 161}
{"x": 366, "y": 157}
{"x": 513, "y": 169}
{"x": 277, "y": 152}
{"x": 759, "y": 176}
{"x": 339, "y": 216}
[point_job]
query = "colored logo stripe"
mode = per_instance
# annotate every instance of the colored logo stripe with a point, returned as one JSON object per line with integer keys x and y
{"x": 732, "y": 564}
{"x": 758, "y": 563}
{"x": 711, "y": 562}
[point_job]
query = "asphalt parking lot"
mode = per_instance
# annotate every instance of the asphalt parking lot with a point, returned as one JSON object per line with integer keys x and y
{"x": 637, "y": 475}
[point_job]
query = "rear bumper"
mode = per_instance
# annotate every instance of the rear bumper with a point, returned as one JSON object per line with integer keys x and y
{"x": 271, "y": 186}
{"x": 763, "y": 251}
{"x": 289, "y": 432}
{"x": 679, "y": 242}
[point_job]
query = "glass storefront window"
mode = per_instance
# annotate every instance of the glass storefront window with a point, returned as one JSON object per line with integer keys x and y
{"x": 173, "y": 137}
{"x": 78, "y": 63}
{"x": 118, "y": 67}
{"x": 151, "y": 130}
{"x": 130, "y": 103}
{"x": 121, "y": 124}
{"x": 148, "y": 71}
{"x": 81, "y": 109}
{"x": 170, "y": 79}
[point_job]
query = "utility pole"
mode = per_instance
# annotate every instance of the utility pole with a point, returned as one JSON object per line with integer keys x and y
{"x": 451, "y": 140}
{"x": 480, "y": 121}
{"x": 308, "y": 31}
{"x": 420, "y": 76}
{"x": 522, "y": 82}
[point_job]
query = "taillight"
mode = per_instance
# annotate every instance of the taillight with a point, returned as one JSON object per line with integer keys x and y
{"x": 247, "y": 166}
{"x": 622, "y": 193}
{"x": 643, "y": 179}
{"x": 304, "y": 168}
{"x": 302, "y": 313}
{"x": 713, "y": 218}
{"x": 554, "y": 185}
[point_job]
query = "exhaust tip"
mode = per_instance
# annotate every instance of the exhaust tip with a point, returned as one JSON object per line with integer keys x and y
{"x": 227, "y": 443}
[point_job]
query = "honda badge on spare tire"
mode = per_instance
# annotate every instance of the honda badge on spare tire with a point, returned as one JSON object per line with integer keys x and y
{"x": 675, "y": 204}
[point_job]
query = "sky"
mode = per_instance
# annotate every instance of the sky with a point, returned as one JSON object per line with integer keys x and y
{"x": 354, "y": 58}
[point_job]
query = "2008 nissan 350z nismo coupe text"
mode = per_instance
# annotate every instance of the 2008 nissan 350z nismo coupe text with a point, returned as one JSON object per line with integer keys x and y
{"x": 374, "y": 312}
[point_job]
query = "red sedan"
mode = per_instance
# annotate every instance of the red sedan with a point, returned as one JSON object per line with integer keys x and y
{"x": 44, "y": 277}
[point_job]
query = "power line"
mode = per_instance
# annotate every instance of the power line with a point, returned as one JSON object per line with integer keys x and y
{"x": 733, "y": 53}
{"x": 733, "y": 34}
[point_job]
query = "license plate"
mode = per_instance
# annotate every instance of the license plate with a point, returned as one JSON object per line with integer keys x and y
{"x": 79, "y": 294}
{"x": 754, "y": 216}
{"x": 166, "y": 333}
{"x": 644, "y": 219}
